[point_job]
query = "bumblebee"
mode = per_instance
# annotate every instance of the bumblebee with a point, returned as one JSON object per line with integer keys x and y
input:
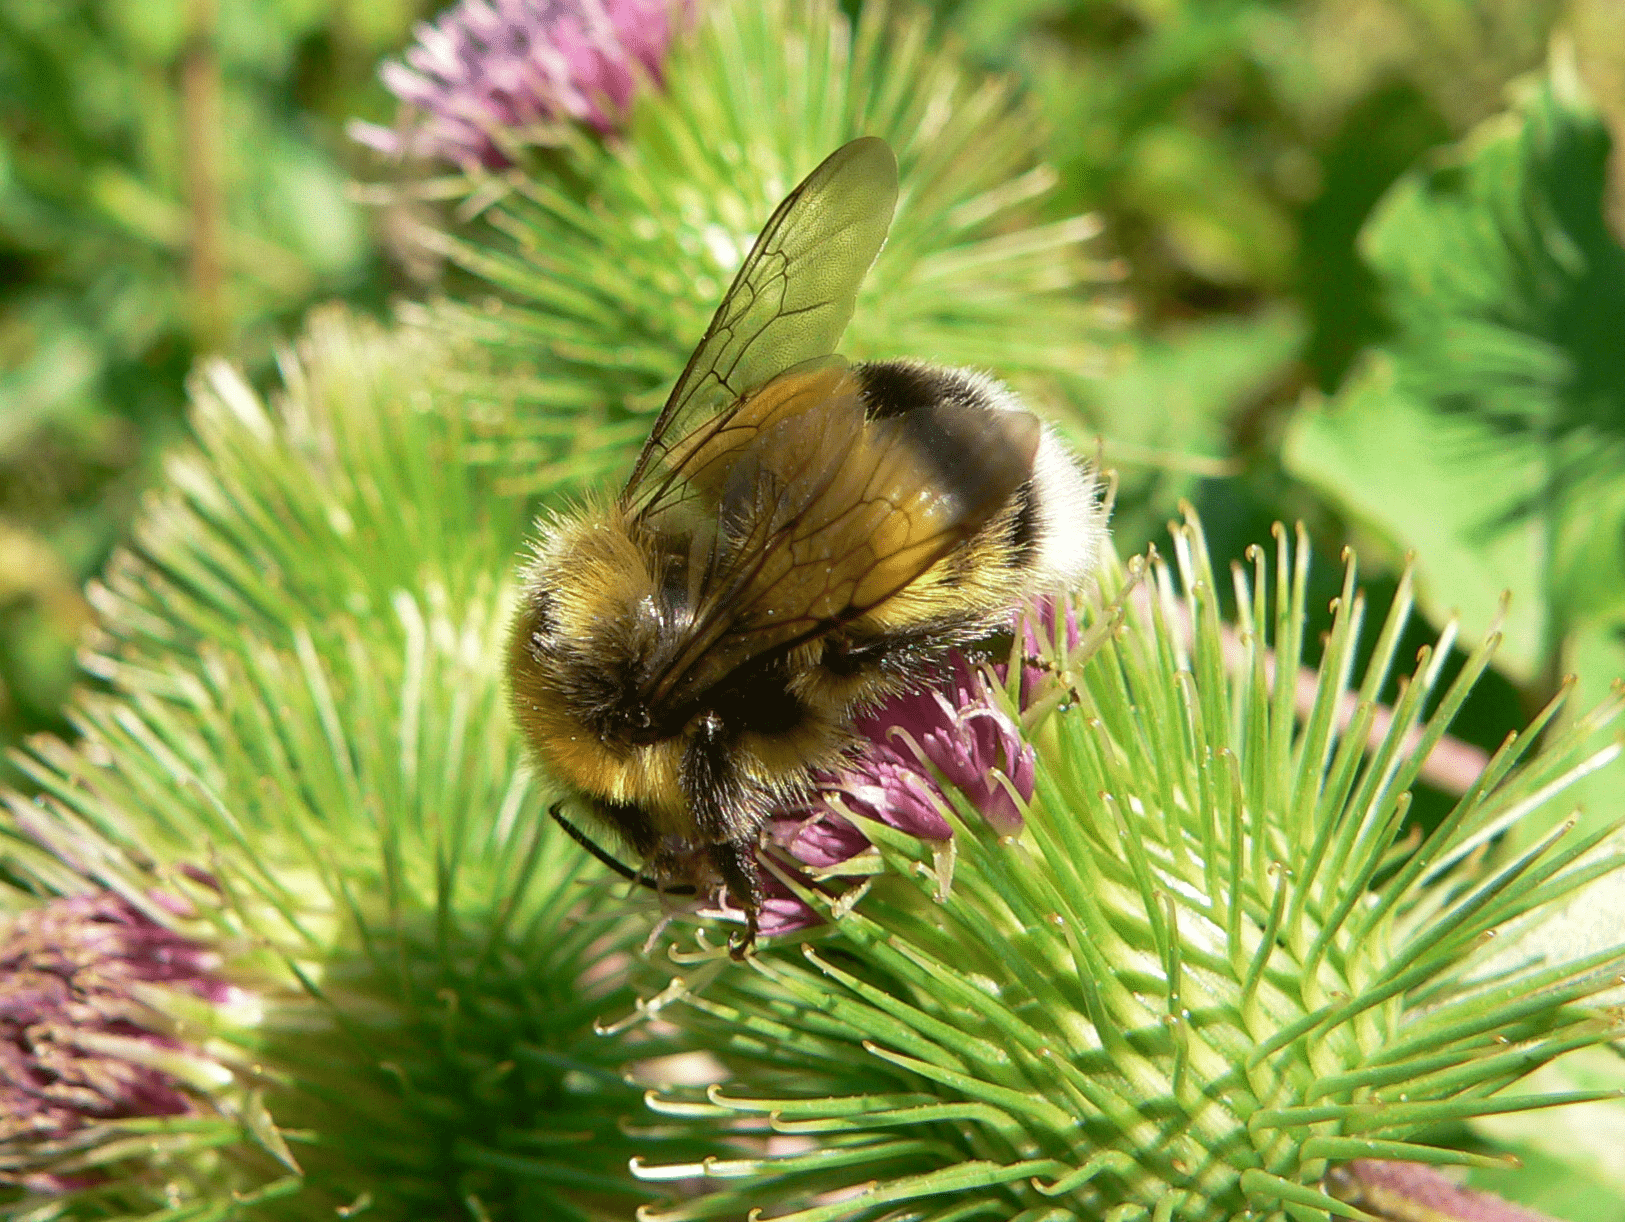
{"x": 799, "y": 540}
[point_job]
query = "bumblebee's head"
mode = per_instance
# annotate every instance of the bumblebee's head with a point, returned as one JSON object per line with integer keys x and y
{"x": 586, "y": 627}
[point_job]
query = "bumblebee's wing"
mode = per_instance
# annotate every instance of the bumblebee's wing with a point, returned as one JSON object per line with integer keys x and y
{"x": 826, "y": 516}
{"x": 789, "y": 304}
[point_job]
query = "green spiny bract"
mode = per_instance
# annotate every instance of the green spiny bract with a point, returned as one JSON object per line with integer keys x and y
{"x": 1209, "y": 967}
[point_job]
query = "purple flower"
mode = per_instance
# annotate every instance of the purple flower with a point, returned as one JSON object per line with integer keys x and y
{"x": 953, "y": 730}
{"x": 522, "y": 67}
{"x": 72, "y": 1025}
{"x": 1047, "y": 627}
{"x": 814, "y": 837}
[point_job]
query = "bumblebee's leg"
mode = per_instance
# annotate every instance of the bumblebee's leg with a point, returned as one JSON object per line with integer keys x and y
{"x": 736, "y": 862}
{"x": 728, "y": 812}
{"x": 1048, "y": 666}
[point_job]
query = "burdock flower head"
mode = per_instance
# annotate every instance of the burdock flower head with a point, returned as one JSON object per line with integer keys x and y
{"x": 80, "y": 1040}
{"x": 493, "y": 75}
{"x": 1208, "y": 976}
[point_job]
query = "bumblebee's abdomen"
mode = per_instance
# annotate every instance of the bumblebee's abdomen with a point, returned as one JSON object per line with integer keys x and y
{"x": 1044, "y": 536}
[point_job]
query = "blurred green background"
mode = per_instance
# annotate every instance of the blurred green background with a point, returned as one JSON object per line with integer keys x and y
{"x": 174, "y": 181}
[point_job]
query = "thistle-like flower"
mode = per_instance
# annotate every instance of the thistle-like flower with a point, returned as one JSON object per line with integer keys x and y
{"x": 80, "y": 1040}
{"x": 424, "y": 968}
{"x": 491, "y": 76}
{"x": 956, "y": 730}
{"x": 625, "y": 282}
{"x": 1202, "y": 973}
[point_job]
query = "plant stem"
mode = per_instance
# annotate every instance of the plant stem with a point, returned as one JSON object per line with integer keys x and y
{"x": 200, "y": 124}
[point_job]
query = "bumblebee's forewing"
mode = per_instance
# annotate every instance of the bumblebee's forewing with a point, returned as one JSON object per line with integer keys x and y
{"x": 789, "y": 304}
{"x": 826, "y": 515}
{"x": 705, "y": 459}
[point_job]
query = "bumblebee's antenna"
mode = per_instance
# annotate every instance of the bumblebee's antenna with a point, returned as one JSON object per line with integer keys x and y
{"x": 614, "y": 863}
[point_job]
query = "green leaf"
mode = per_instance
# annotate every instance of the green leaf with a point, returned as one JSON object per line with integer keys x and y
{"x": 1421, "y": 484}
{"x": 1162, "y": 410}
{"x": 1217, "y": 221}
{"x": 1489, "y": 436}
